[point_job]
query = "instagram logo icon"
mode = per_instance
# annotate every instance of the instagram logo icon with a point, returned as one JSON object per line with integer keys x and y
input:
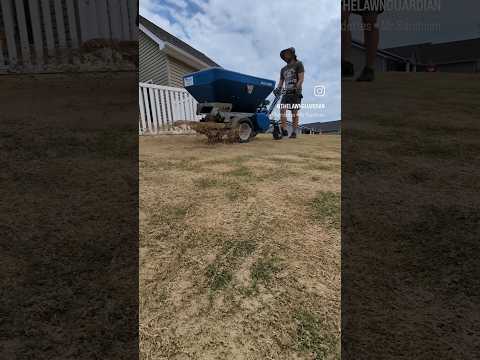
{"x": 319, "y": 90}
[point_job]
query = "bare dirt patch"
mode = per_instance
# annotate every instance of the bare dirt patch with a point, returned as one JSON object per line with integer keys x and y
{"x": 235, "y": 261}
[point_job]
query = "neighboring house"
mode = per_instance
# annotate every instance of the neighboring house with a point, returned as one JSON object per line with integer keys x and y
{"x": 385, "y": 60}
{"x": 165, "y": 59}
{"x": 456, "y": 56}
{"x": 328, "y": 127}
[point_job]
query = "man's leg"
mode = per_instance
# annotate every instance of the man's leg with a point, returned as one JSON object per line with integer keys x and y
{"x": 371, "y": 34}
{"x": 283, "y": 120}
{"x": 346, "y": 36}
{"x": 347, "y": 66}
{"x": 295, "y": 122}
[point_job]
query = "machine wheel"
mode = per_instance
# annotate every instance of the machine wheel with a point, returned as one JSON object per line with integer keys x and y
{"x": 245, "y": 131}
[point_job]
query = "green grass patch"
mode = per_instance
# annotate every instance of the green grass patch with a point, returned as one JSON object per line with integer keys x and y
{"x": 241, "y": 171}
{"x": 218, "y": 276}
{"x": 305, "y": 156}
{"x": 429, "y": 148}
{"x": 169, "y": 214}
{"x": 219, "y": 273}
{"x": 233, "y": 190}
{"x": 236, "y": 192}
{"x": 238, "y": 249}
{"x": 277, "y": 171}
{"x": 263, "y": 270}
{"x": 326, "y": 208}
{"x": 177, "y": 212}
{"x": 280, "y": 173}
{"x": 209, "y": 182}
{"x": 241, "y": 159}
{"x": 191, "y": 164}
{"x": 315, "y": 337}
{"x": 280, "y": 160}
{"x": 322, "y": 167}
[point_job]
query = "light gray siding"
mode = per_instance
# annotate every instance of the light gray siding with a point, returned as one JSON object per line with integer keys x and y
{"x": 153, "y": 62}
{"x": 466, "y": 67}
{"x": 177, "y": 70}
{"x": 358, "y": 59}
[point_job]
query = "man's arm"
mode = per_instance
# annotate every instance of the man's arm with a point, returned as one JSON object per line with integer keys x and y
{"x": 301, "y": 77}
{"x": 280, "y": 83}
{"x": 278, "y": 89}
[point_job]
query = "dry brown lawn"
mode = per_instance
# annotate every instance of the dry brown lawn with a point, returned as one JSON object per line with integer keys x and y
{"x": 240, "y": 248}
{"x": 68, "y": 233}
{"x": 410, "y": 170}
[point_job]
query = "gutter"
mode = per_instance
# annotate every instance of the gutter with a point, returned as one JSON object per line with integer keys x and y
{"x": 175, "y": 51}
{"x": 152, "y": 36}
{"x": 381, "y": 52}
{"x": 180, "y": 54}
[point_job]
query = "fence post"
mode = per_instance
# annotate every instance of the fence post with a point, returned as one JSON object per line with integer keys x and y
{"x": 37, "y": 31}
{"x": 33, "y": 31}
{"x": 115, "y": 19}
{"x": 9, "y": 32}
{"x": 103, "y": 19}
{"x": 47, "y": 23}
{"x": 142, "y": 110}
{"x": 87, "y": 14}
{"x": 62, "y": 39}
{"x": 133, "y": 19}
{"x": 161, "y": 106}
{"x": 22, "y": 29}
{"x": 2, "y": 60}
{"x": 72, "y": 23}
{"x": 125, "y": 22}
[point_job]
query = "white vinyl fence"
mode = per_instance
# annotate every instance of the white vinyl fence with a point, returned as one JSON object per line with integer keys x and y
{"x": 34, "y": 32}
{"x": 161, "y": 106}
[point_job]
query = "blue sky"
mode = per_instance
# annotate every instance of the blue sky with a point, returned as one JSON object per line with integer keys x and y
{"x": 247, "y": 36}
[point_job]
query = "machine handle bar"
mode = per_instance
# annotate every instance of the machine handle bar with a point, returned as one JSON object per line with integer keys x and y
{"x": 275, "y": 101}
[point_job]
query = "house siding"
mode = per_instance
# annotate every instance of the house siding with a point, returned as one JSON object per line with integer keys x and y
{"x": 177, "y": 70}
{"x": 153, "y": 62}
{"x": 358, "y": 59}
{"x": 466, "y": 67}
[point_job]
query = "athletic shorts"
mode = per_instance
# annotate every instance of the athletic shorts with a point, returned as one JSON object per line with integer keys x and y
{"x": 375, "y": 7}
{"x": 291, "y": 101}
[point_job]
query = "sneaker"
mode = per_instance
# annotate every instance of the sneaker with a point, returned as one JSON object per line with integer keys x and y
{"x": 368, "y": 74}
{"x": 284, "y": 132}
{"x": 347, "y": 69}
{"x": 293, "y": 135}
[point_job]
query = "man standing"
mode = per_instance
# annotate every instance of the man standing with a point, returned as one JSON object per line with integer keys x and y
{"x": 292, "y": 76}
{"x": 369, "y": 11}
